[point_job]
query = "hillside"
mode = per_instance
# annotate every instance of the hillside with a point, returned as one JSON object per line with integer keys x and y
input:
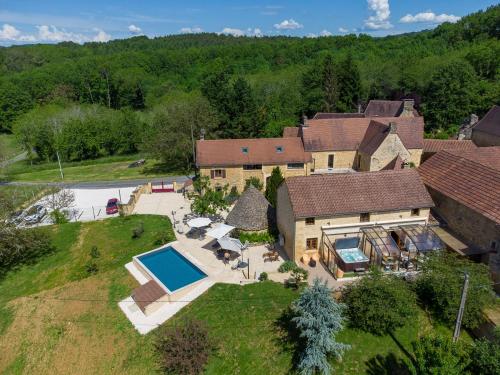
{"x": 450, "y": 71}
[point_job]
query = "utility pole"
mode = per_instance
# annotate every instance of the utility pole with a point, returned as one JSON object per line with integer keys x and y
{"x": 460, "y": 314}
{"x": 60, "y": 167}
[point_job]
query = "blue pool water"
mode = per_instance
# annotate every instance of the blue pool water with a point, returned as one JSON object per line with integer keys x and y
{"x": 172, "y": 268}
{"x": 352, "y": 255}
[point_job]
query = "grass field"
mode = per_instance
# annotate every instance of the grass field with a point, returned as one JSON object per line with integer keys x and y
{"x": 55, "y": 318}
{"x": 104, "y": 169}
{"x": 9, "y": 146}
{"x": 21, "y": 196}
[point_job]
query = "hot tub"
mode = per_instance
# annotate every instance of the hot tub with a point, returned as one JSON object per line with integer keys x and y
{"x": 351, "y": 259}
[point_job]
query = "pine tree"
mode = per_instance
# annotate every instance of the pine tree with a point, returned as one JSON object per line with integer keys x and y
{"x": 330, "y": 85}
{"x": 319, "y": 318}
{"x": 349, "y": 85}
{"x": 272, "y": 185}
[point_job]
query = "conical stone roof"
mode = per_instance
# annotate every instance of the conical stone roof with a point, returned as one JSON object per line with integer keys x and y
{"x": 252, "y": 211}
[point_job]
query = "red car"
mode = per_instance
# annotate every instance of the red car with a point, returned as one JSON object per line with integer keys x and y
{"x": 112, "y": 206}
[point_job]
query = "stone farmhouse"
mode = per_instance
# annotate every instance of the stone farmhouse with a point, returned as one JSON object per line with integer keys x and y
{"x": 487, "y": 131}
{"x": 328, "y": 143}
{"x": 465, "y": 187}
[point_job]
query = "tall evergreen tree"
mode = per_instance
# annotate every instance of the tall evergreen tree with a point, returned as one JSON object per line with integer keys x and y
{"x": 243, "y": 117}
{"x": 330, "y": 85}
{"x": 319, "y": 318}
{"x": 349, "y": 85}
{"x": 272, "y": 185}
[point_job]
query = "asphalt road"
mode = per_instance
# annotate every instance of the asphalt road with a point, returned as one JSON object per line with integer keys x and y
{"x": 105, "y": 184}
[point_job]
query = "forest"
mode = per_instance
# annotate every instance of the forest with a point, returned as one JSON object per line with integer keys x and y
{"x": 155, "y": 95}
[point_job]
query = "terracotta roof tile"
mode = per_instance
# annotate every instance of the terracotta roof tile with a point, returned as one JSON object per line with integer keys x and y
{"x": 291, "y": 131}
{"x": 436, "y": 145}
{"x": 147, "y": 294}
{"x": 226, "y": 152}
{"x": 396, "y": 163}
{"x": 374, "y": 136}
{"x": 490, "y": 123}
{"x": 330, "y": 115}
{"x": 470, "y": 177}
{"x": 353, "y": 193}
{"x": 348, "y": 134}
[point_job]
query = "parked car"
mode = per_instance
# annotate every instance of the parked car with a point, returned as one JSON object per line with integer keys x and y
{"x": 17, "y": 217}
{"x": 35, "y": 214}
{"x": 112, "y": 206}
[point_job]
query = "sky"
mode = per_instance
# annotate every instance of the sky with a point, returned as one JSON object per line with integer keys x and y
{"x": 53, "y": 21}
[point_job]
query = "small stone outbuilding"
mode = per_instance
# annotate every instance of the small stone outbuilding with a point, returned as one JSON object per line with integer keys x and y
{"x": 252, "y": 212}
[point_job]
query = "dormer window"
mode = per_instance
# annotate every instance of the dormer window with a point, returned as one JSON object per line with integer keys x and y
{"x": 244, "y": 150}
{"x": 279, "y": 149}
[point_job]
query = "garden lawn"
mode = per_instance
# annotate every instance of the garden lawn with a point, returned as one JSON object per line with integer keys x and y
{"x": 104, "y": 169}
{"x": 56, "y": 318}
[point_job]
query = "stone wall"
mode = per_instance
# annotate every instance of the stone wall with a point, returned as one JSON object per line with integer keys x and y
{"x": 128, "y": 208}
{"x": 342, "y": 159}
{"x": 236, "y": 175}
{"x": 285, "y": 220}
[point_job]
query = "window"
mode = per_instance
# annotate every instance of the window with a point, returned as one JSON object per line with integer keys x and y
{"x": 493, "y": 245}
{"x": 330, "y": 160}
{"x": 415, "y": 212}
{"x": 295, "y": 166}
{"x": 311, "y": 243}
{"x": 364, "y": 217}
{"x": 309, "y": 221}
{"x": 217, "y": 173}
{"x": 244, "y": 150}
{"x": 279, "y": 149}
{"x": 252, "y": 167}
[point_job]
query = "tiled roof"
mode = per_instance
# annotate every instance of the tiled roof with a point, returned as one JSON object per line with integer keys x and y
{"x": 147, "y": 294}
{"x": 490, "y": 123}
{"x": 329, "y": 115}
{"x": 436, "y": 145}
{"x": 396, "y": 163}
{"x": 226, "y": 152}
{"x": 374, "y": 136}
{"x": 353, "y": 193}
{"x": 348, "y": 134}
{"x": 470, "y": 177}
{"x": 384, "y": 108}
{"x": 291, "y": 131}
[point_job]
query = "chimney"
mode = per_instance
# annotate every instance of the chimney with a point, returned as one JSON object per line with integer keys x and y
{"x": 392, "y": 128}
{"x": 359, "y": 107}
{"x": 408, "y": 106}
{"x": 304, "y": 121}
{"x": 202, "y": 134}
{"x": 473, "y": 120}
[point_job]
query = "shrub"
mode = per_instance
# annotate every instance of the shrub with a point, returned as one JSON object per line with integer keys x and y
{"x": 256, "y": 238}
{"x": 287, "y": 266}
{"x": 319, "y": 318}
{"x": 255, "y": 182}
{"x": 185, "y": 350}
{"x": 439, "y": 355}
{"x": 94, "y": 252}
{"x": 138, "y": 231}
{"x": 299, "y": 275}
{"x": 59, "y": 217}
{"x": 379, "y": 304}
{"x": 274, "y": 181}
{"x": 263, "y": 276}
{"x": 440, "y": 285}
{"x": 232, "y": 196}
{"x": 485, "y": 356}
{"x": 91, "y": 267}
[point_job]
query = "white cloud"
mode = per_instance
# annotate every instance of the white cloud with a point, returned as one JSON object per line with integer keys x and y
{"x": 10, "y": 33}
{"x": 191, "y": 30}
{"x": 325, "y": 33}
{"x": 379, "y": 20}
{"x": 311, "y": 35}
{"x": 429, "y": 17}
{"x": 50, "y": 33}
{"x": 290, "y": 24}
{"x": 101, "y": 36}
{"x": 134, "y": 29}
{"x": 343, "y": 30}
{"x": 255, "y": 32}
{"x": 233, "y": 32}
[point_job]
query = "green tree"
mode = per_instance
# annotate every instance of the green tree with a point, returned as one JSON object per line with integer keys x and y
{"x": 319, "y": 318}
{"x": 439, "y": 286}
{"x": 450, "y": 95}
{"x": 379, "y": 304}
{"x": 255, "y": 182}
{"x": 349, "y": 82}
{"x": 438, "y": 355}
{"x": 330, "y": 84}
{"x": 273, "y": 182}
{"x": 208, "y": 200}
{"x": 14, "y": 101}
{"x": 485, "y": 356}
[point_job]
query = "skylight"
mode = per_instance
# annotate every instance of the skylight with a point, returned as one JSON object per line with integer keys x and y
{"x": 244, "y": 150}
{"x": 279, "y": 149}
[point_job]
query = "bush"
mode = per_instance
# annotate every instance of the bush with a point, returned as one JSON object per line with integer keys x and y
{"x": 263, "y": 276}
{"x": 255, "y": 182}
{"x": 440, "y": 286}
{"x": 59, "y": 217}
{"x": 138, "y": 231}
{"x": 379, "y": 304}
{"x": 91, "y": 267}
{"x": 439, "y": 355}
{"x": 185, "y": 350}
{"x": 256, "y": 238}
{"x": 232, "y": 196}
{"x": 485, "y": 356}
{"x": 94, "y": 252}
{"x": 287, "y": 266}
{"x": 299, "y": 275}
{"x": 22, "y": 246}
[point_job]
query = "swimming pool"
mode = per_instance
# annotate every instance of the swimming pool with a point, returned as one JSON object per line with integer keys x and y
{"x": 171, "y": 268}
